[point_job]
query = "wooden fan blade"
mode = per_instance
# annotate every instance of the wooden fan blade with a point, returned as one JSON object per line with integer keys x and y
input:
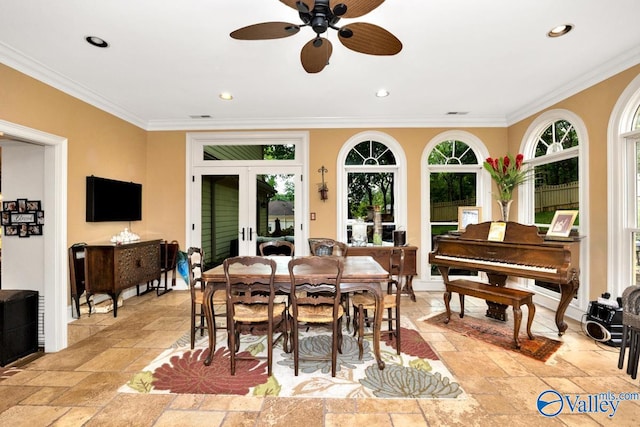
{"x": 356, "y": 8}
{"x": 265, "y": 31}
{"x": 292, "y": 3}
{"x": 313, "y": 58}
{"x": 370, "y": 39}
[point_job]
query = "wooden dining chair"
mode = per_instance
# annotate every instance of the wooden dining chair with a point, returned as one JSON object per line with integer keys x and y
{"x": 364, "y": 304}
{"x": 76, "y": 277}
{"x": 195, "y": 260}
{"x": 168, "y": 264}
{"x": 330, "y": 247}
{"x": 277, "y": 247}
{"x": 315, "y": 299}
{"x": 251, "y": 301}
{"x": 630, "y": 329}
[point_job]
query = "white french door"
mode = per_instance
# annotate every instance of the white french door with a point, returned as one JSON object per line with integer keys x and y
{"x": 244, "y": 188}
{"x": 237, "y": 212}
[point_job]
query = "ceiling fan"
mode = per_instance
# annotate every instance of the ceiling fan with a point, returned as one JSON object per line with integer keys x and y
{"x": 321, "y": 15}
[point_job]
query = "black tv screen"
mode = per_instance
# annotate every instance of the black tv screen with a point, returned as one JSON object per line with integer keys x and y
{"x": 111, "y": 200}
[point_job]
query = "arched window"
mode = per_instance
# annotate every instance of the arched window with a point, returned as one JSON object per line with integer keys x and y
{"x": 623, "y": 172}
{"x": 553, "y": 147}
{"x": 372, "y": 174}
{"x": 453, "y": 178}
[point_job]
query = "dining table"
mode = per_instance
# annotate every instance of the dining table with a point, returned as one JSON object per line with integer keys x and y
{"x": 360, "y": 273}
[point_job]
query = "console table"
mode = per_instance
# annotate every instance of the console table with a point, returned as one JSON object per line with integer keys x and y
{"x": 111, "y": 268}
{"x": 382, "y": 253}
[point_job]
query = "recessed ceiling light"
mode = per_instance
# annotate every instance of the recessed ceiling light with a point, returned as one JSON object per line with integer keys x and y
{"x": 96, "y": 41}
{"x": 382, "y": 93}
{"x": 226, "y": 96}
{"x": 560, "y": 30}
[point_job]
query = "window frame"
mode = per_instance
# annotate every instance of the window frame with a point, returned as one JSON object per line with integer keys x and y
{"x": 400, "y": 181}
{"x": 526, "y": 201}
{"x": 620, "y": 137}
{"x": 483, "y": 193}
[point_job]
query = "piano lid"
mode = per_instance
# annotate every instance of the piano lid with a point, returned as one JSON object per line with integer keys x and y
{"x": 515, "y": 233}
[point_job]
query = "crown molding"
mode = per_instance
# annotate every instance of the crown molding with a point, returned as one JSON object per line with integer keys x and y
{"x": 32, "y": 68}
{"x": 594, "y": 76}
{"x": 326, "y": 122}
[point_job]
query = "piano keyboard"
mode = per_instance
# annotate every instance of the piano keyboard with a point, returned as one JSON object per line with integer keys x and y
{"x": 498, "y": 264}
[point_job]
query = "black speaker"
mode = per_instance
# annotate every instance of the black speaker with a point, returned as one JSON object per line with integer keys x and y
{"x": 18, "y": 324}
{"x": 604, "y": 323}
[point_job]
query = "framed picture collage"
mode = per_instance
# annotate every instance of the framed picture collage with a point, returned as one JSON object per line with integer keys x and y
{"x": 22, "y": 217}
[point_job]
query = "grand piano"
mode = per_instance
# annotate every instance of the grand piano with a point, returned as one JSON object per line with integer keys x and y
{"x": 522, "y": 253}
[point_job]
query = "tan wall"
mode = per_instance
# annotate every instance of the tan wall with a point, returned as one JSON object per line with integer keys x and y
{"x": 594, "y": 106}
{"x": 98, "y": 144}
{"x": 166, "y": 183}
{"x": 104, "y": 145}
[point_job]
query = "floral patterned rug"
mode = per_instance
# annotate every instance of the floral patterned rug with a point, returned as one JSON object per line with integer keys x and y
{"x": 416, "y": 373}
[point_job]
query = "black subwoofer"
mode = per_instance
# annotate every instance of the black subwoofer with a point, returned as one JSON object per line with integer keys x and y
{"x": 604, "y": 323}
{"x": 18, "y": 324}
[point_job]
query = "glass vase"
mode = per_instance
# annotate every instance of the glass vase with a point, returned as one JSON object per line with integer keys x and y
{"x": 505, "y": 206}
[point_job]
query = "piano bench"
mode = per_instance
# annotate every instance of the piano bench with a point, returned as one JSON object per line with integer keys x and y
{"x": 497, "y": 294}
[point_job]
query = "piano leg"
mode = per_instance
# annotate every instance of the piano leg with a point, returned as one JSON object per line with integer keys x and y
{"x": 567, "y": 291}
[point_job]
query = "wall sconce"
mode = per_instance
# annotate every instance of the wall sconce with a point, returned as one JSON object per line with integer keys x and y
{"x": 323, "y": 190}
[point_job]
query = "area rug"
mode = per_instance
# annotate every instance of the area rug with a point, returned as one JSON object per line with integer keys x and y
{"x": 416, "y": 373}
{"x": 501, "y": 335}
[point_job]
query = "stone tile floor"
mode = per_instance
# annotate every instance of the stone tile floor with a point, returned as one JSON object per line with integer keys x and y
{"x": 78, "y": 386}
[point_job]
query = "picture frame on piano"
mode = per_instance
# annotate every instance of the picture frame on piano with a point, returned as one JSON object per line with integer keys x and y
{"x": 562, "y": 223}
{"x": 468, "y": 215}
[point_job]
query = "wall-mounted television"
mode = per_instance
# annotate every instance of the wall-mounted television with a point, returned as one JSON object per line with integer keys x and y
{"x": 112, "y": 200}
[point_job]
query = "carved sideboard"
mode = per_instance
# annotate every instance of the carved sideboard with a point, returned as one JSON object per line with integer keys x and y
{"x": 112, "y": 268}
{"x": 382, "y": 253}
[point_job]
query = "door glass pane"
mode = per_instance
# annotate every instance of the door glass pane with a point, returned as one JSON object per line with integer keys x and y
{"x": 275, "y": 218}
{"x": 249, "y": 152}
{"x": 220, "y": 198}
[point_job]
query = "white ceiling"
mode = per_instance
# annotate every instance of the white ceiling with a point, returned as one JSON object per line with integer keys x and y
{"x": 169, "y": 59}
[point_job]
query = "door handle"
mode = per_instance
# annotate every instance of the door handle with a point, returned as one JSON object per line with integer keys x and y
{"x": 243, "y": 234}
{"x": 250, "y": 234}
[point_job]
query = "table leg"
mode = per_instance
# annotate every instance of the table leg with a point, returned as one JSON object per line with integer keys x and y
{"x": 207, "y": 303}
{"x": 408, "y": 287}
{"x": 377, "y": 325}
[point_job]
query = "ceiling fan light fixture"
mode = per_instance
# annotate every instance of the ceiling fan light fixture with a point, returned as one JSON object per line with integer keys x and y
{"x": 560, "y": 30}
{"x": 319, "y": 23}
{"x": 96, "y": 41}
